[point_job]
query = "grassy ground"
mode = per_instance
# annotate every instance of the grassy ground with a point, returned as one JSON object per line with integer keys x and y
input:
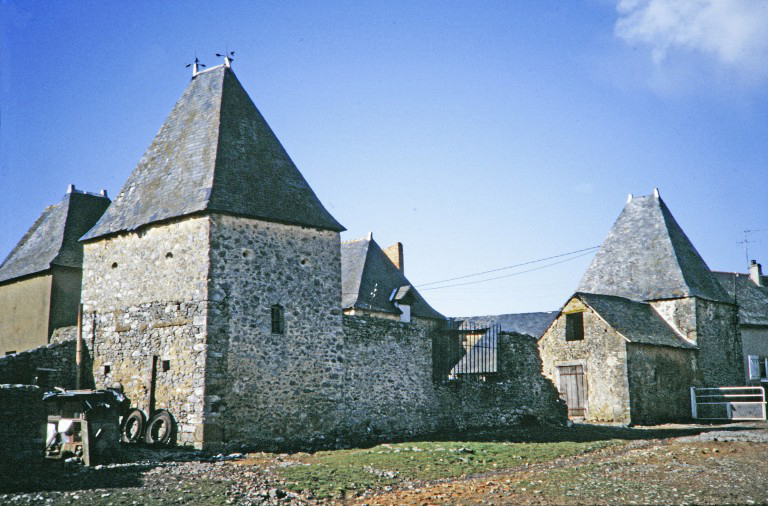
{"x": 339, "y": 473}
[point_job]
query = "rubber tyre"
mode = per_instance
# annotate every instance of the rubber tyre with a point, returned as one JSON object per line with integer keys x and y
{"x": 160, "y": 429}
{"x": 132, "y": 428}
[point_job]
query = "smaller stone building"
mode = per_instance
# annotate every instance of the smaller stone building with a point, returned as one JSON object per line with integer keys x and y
{"x": 648, "y": 321}
{"x": 40, "y": 280}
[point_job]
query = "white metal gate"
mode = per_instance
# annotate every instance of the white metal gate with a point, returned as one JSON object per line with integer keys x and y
{"x": 728, "y": 403}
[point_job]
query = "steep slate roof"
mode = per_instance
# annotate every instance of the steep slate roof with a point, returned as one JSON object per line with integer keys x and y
{"x": 532, "y": 324}
{"x": 647, "y": 256}
{"x": 53, "y": 238}
{"x": 215, "y": 152}
{"x": 752, "y": 299}
{"x": 369, "y": 278}
{"x": 636, "y": 321}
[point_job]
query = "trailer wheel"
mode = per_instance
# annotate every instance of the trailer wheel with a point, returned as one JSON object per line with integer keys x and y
{"x": 132, "y": 428}
{"x": 160, "y": 429}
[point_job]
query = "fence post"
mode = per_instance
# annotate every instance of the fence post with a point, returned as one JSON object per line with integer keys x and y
{"x": 694, "y": 411}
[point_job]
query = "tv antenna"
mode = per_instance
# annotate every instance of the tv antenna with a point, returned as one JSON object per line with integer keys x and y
{"x": 746, "y": 241}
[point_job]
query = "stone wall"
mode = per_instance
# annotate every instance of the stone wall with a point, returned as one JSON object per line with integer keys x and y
{"x": 56, "y": 360}
{"x": 22, "y": 425}
{"x": 264, "y": 387}
{"x": 390, "y": 393}
{"x": 660, "y": 379}
{"x": 719, "y": 340}
{"x": 145, "y": 314}
{"x": 754, "y": 341}
{"x": 603, "y": 355}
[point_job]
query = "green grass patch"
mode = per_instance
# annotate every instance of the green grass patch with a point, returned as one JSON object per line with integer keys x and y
{"x": 335, "y": 473}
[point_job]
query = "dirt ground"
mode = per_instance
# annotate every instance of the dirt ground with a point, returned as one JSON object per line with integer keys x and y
{"x": 678, "y": 464}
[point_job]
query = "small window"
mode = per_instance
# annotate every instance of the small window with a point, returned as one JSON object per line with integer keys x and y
{"x": 278, "y": 319}
{"x": 107, "y": 369}
{"x": 10, "y": 352}
{"x": 166, "y": 366}
{"x": 574, "y": 326}
{"x": 114, "y": 265}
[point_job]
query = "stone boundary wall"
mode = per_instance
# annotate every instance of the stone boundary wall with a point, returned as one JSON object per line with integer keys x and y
{"x": 390, "y": 393}
{"x": 23, "y": 367}
{"x": 22, "y": 425}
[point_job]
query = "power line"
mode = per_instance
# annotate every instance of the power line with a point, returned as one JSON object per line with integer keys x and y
{"x": 505, "y": 268}
{"x": 513, "y": 274}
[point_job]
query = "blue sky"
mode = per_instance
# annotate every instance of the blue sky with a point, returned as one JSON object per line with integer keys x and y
{"x": 480, "y": 134}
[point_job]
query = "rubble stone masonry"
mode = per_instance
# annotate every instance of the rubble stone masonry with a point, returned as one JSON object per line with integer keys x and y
{"x": 145, "y": 309}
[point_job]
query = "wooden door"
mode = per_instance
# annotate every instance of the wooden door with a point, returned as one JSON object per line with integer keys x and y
{"x": 573, "y": 389}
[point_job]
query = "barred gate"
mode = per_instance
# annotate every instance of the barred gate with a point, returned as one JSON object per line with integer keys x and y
{"x": 728, "y": 403}
{"x": 465, "y": 352}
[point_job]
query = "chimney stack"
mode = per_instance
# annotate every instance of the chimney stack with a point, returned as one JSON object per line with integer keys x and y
{"x": 756, "y": 273}
{"x": 103, "y": 193}
{"x": 71, "y": 188}
{"x": 395, "y": 255}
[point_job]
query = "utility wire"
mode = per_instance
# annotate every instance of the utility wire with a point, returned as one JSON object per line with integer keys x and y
{"x": 514, "y": 273}
{"x": 507, "y": 267}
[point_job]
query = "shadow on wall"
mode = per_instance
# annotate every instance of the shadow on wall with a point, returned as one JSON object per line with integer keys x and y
{"x": 48, "y": 366}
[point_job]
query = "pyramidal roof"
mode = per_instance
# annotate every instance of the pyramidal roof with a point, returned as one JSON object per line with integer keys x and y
{"x": 647, "y": 256}
{"x": 369, "y": 279}
{"x": 53, "y": 238}
{"x": 215, "y": 152}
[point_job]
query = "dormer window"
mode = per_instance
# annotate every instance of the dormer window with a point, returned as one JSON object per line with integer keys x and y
{"x": 278, "y": 319}
{"x": 403, "y": 300}
{"x": 574, "y": 326}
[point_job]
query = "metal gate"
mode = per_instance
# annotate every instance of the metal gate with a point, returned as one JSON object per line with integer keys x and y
{"x": 573, "y": 389}
{"x": 728, "y": 403}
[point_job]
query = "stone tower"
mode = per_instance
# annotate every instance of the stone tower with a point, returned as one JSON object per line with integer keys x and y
{"x": 647, "y": 257}
{"x": 212, "y": 283}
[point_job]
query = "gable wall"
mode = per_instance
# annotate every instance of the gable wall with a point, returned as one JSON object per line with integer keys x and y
{"x": 24, "y": 309}
{"x": 603, "y": 355}
{"x": 151, "y": 305}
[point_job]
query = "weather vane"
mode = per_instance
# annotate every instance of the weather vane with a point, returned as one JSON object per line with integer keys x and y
{"x": 227, "y": 57}
{"x": 195, "y": 66}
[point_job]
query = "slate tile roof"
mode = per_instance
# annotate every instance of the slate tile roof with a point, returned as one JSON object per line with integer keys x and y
{"x": 532, "y": 324}
{"x": 636, "y": 321}
{"x": 751, "y": 299}
{"x": 214, "y": 153}
{"x": 647, "y": 256}
{"x": 53, "y": 238}
{"x": 369, "y": 278}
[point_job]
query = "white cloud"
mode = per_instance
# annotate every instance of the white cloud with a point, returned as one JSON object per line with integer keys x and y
{"x": 731, "y": 33}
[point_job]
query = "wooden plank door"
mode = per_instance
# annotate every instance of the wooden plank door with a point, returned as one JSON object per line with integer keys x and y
{"x": 573, "y": 389}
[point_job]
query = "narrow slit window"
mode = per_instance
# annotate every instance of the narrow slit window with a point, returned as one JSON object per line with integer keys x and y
{"x": 166, "y": 366}
{"x": 574, "y": 326}
{"x": 107, "y": 369}
{"x": 278, "y": 319}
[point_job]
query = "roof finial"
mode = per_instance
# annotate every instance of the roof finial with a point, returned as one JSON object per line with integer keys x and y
{"x": 195, "y": 66}
{"x": 370, "y": 236}
{"x": 71, "y": 188}
{"x": 656, "y": 193}
{"x": 227, "y": 57}
{"x": 629, "y": 198}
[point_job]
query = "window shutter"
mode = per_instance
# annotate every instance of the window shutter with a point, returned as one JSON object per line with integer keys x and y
{"x": 754, "y": 367}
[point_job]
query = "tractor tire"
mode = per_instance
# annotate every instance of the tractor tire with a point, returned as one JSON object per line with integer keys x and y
{"x": 132, "y": 428}
{"x": 160, "y": 429}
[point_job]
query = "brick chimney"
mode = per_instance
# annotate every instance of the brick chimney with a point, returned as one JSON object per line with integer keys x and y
{"x": 395, "y": 255}
{"x": 756, "y": 273}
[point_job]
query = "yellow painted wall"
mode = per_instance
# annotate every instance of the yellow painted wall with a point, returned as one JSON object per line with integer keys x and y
{"x": 24, "y": 307}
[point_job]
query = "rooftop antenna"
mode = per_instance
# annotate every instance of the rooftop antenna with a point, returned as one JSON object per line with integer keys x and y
{"x": 195, "y": 66}
{"x": 227, "y": 57}
{"x": 746, "y": 241}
